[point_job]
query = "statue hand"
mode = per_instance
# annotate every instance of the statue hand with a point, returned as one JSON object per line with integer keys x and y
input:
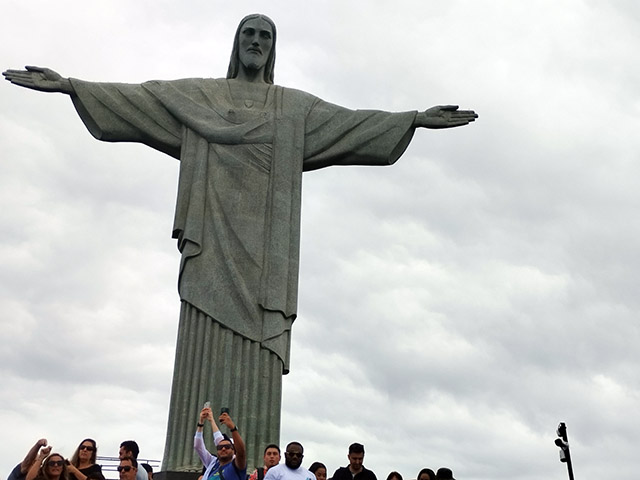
{"x": 444, "y": 116}
{"x": 39, "y": 78}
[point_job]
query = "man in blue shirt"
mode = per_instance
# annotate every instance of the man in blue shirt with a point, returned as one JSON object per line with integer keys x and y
{"x": 231, "y": 462}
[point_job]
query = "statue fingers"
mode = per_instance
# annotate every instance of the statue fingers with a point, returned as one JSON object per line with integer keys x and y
{"x": 17, "y": 74}
{"x": 20, "y": 80}
{"x": 464, "y": 115}
{"x": 12, "y": 71}
{"x": 33, "y": 68}
{"x": 469, "y": 113}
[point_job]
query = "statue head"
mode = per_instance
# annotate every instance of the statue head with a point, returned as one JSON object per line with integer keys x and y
{"x": 234, "y": 63}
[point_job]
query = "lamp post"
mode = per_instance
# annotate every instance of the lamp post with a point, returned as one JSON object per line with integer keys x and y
{"x": 563, "y": 442}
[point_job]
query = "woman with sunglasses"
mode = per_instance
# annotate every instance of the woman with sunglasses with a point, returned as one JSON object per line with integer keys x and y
{"x": 54, "y": 467}
{"x": 83, "y": 461}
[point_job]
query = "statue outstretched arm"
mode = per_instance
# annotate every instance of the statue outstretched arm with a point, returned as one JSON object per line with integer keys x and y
{"x": 444, "y": 116}
{"x": 39, "y": 78}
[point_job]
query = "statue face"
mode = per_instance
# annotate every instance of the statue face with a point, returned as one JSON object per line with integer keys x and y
{"x": 255, "y": 42}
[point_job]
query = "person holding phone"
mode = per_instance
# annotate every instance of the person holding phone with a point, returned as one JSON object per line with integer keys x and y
{"x": 231, "y": 460}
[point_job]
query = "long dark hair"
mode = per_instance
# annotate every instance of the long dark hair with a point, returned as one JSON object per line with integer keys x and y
{"x": 42, "y": 473}
{"x": 315, "y": 466}
{"x": 428, "y": 471}
{"x": 234, "y": 62}
{"x": 75, "y": 459}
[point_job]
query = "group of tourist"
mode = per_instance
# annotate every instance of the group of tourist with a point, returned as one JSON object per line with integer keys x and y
{"x": 40, "y": 463}
{"x": 230, "y": 463}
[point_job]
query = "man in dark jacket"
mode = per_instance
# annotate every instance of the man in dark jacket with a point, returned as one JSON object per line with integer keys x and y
{"x": 355, "y": 470}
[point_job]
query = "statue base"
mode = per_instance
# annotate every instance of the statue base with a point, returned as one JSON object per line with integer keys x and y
{"x": 176, "y": 475}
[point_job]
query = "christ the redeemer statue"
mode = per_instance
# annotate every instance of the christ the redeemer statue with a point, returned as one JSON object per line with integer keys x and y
{"x": 243, "y": 144}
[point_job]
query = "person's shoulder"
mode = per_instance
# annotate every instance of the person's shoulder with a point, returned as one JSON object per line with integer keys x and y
{"x": 303, "y": 472}
{"x": 16, "y": 474}
{"x": 274, "y": 472}
{"x": 276, "y": 468}
{"x": 342, "y": 471}
{"x": 141, "y": 474}
{"x": 240, "y": 472}
{"x": 369, "y": 473}
{"x": 95, "y": 468}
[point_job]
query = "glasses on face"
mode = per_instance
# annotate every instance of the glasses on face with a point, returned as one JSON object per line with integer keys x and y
{"x": 124, "y": 468}
{"x": 224, "y": 445}
{"x": 294, "y": 454}
{"x": 86, "y": 447}
{"x": 55, "y": 463}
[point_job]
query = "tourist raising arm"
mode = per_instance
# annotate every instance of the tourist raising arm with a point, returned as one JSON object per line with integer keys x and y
{"x": 231, "y": 460}
{"x": 240, "y": 459}
{"x": 54, "y": 467}
{"x": 37, "y": 464}
{"x": 20, "y": 471}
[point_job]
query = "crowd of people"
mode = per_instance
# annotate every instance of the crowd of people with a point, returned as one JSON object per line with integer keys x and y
{"x": 228, "y": 463}
{"x": 40, "y": 463}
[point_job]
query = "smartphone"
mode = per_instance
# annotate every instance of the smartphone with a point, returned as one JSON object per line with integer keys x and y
{"x": 224, "y": 410}
{"x": 207, "y": 405}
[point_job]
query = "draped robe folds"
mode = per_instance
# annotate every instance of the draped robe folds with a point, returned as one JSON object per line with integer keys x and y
{"x": 237, "y": 223}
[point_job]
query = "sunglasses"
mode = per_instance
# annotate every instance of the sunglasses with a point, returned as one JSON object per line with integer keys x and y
{"x": 224, "y": 445}
{"x": 294, "y": 454}
{"x": 125, "y": 468}
{"x": 86, "y": 447}
{"x": 55, "y": 463}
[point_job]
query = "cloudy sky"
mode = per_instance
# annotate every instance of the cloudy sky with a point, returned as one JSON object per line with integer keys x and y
{"x": 454, "y": 308}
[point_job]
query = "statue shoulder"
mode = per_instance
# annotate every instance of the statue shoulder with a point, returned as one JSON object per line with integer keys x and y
{"x": 299, "y": 94}
{"x": 298, "y": 99}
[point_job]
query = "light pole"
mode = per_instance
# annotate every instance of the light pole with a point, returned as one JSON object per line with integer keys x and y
{"x": 563, "y": 442}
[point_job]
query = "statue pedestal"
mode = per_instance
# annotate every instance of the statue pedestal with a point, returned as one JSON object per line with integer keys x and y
{"x": 176, "y": 475}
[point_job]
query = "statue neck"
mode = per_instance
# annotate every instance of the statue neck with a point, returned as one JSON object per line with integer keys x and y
{"x": 250, "y": 75}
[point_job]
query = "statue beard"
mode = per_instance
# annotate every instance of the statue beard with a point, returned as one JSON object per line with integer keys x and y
{"x": 253, "y": 66}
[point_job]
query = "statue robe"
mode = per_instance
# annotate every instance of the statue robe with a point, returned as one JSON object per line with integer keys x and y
{"x": 237, "y": 223}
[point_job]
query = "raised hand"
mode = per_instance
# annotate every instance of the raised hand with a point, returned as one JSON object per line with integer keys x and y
{"x": 444, "y": 116}
{"x": 44, "y": 452}
{"x": 39, "y": 78}
{"x": 226, "y": 420}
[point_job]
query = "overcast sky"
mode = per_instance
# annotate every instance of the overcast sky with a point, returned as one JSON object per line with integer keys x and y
{"x": 453, "y": 309}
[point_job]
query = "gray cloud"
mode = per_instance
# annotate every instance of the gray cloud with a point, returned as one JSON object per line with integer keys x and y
{"x": 453, "y": 308}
